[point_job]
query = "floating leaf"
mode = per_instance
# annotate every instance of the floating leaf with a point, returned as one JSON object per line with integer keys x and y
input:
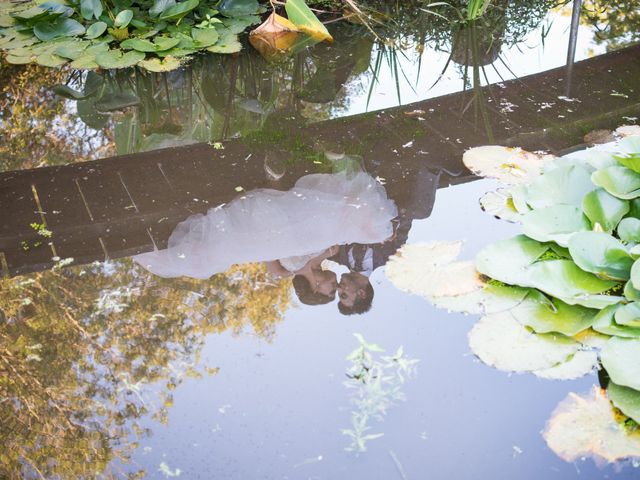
{"x": 629, "y": 229}
{"x": 557, "y": 223}
{"x": 508, "y": 260}
{"x": 50, "y": 60}
{"x": 621, "y": 359}
{"x": 585, "y": 426}
{"x": 626, "y": 399}
{"x": 156, "y": 65}
{"x": 61, "y": 27}
{"x": 501, "y": 342}
{"x": 604, "y": 209}
{"x": 123, "y": 19}
{"x": 159, "y": 6}
{"x": 116, "y": 59}
{"x": 602, "y": 254}
{"x": 507, "y": 165}
{"x": 500, "y": 204}
{"x": 96, "y": 29}
{"x": 179, "y": 10}
{"x": 628, "y": 315}
{"x": 580, "y": 364}
{"x": 620, "y": 182}
{"x": 90, "y": 9}
{"x": 303, "y": 18}
{"x": 605, "y": 323}
{"x": 563, "y": 185}
{"x": 237, "y": 8}
{"x": 204, "y": 37}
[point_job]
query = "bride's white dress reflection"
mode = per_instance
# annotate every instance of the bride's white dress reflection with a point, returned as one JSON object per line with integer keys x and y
{"x": 321, "y": 210}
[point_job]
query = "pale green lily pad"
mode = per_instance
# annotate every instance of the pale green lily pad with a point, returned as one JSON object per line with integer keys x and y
{"x": 490, "y": 299}
{"x": 554, "y": 224}
{"x": 628, "y": 315}
{"x": 630, "y": 292}
{"x": 565, "y": 185}
{"x": 156, "y": 65}
{"x": 500, "y": 204}
{"x": 582, "y": 363}
{"x": 508, "y": 165}
{"x": 508, "y": 260}
{"x": 620, "y": 182}
{"x": 558, "y": 317}
{"x": 605, "y": 323}
{"x": 116, "y": 59}
{"x": 629, "y": 229}
{"x": 626, "y": 399}
{"x": 621, "y": 359}
{"x": 604, "y": 209}
{"x": 601, "y": 254}
{"x": 501, "y": 342}
{"x": 50, "y": 60}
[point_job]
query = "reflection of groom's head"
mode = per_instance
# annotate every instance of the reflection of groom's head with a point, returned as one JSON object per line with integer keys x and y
{"x": 355, "y": 293}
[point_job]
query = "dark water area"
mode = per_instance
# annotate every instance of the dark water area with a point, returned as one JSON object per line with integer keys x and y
{"x": 266, "y": 195}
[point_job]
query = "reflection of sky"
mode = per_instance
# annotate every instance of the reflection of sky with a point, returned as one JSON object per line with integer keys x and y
{"x": 276, "y": 407}
{"x": 527, "y": 57}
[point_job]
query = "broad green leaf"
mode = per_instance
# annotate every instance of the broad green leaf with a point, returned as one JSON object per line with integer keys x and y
{"x": 620, "y": 182}
{"x": 507, "y": 260}
{"x": 629, "y": 229}
{"x": 227, "y": 43}
{"x": 237, "y": 8}
{"x": 632, "y": 162}
{"x": 621, "y": 359}
{"x": 602, "y": 254}
{"x": 160, "y": 6}
{"x": 604, "y": 209}
{"x": 168, "y": 63}
{"x": 90, "y": 9}
{"x": 565, "y": 185}
{"x": 96, "y": 29}
{"x": 635, "y": 274}
{"x": 17, "y": 60}
{"x": 631, "y": 293}
{"x": 50, "y": 60}
{"x": 556, "y": 223}
{"x": 179, "y": 10}
{"x": 557, "y": 317}
{"x": 204, "y": 37}
{"x": 303, "y": 18}
{"x": 159, "y": 44}
{"x": 628, "y": 315}
{"x": 61, "y": 27}
{"x": 605, "y": 323}
{"x": 626, "y": 399}
{"x": 116, "y": 59}
{"x": 123, "y": 19}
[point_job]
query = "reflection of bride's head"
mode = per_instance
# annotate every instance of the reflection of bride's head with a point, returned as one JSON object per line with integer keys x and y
{"x": 320, "y": 290}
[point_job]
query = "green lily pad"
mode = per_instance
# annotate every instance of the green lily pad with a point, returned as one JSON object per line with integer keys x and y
{"x": 621, "y": 359}
{"x": 50, "y": 60}
{"x": 90, "y": 9}
{"x": 205, "y": 37}
{"x": 156, "y": 65}
{"x": 557, "y": 223}
{"x": 61, "y": 27}
{"x": 628, "y": 315}
{"x": 116, "y": 59}
{"x": 629, "y": 229}
{"x": 626, "y": 399}
{"x": 123, "y": 19}
{"x": 632, "y": 162}
{"x": 602, "y": 254}
{"x": 160, "y": 6}
{"x": 237, "y": 8}
{"x": 17, "y": 60}
{"x": 72, "y": 50}
{"x": 95, "y": 30}
{"x": 604, "y": 209}
{"x": 565, "y": 185}
{"x": 179, "y": 10}
{"x": 558, "y": 317}
{"x": 620, "y": 182}
{"x": 508, "y": 260}
{"x": 605, "y": 323}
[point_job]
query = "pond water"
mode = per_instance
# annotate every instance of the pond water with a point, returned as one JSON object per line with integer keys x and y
{"x": 109, "y": 370}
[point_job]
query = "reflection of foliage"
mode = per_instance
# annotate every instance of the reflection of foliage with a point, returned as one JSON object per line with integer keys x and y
{"x": 377, "y": 385}
{"x": 85, "y": 353}
{"x": 35, "y": 128}
{"x": 617, "y": 23}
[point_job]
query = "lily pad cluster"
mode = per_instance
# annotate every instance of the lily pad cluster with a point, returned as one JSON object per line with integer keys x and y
{"x": 154, "y": 34}
{"x": 564, "y": 296}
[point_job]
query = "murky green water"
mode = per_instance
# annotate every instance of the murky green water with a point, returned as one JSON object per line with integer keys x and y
{"x": 109, "y": 370}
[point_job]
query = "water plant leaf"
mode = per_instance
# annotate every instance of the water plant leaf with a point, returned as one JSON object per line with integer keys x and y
{"x": 116, "y": 59}
{"x": 580, "y": 364}
{"x": 90, "y": 9}
{"x": 602, "y": 254}
{"x": 620, "y": 182}
{"x": 501, "y": 342}
{"x": 621, "y": 359}
{"x": 564, "y": 185}
{"x": 303, "y": 18}
{"x": 159, "y": 44}
{"x": 159, "y": 6}
{"x": 490, "y": 299}
{"x": 499, "y": 203}
{"x": 123, "y": 19}
{"x": 628, "y": 315}
{"x": 167, "y": 64}
{"x": 557, "y": 317}
{"x": 60, "y": 27}
{"x": 632, "y": 162}
{"x": 50, "y": 60}
{"x": 508, "y": 165}
{"x": 179, "y": 10}
{"x": 227, "y": 43}
{"x": 605, "y": 323}
{"x": 238, "y": 8}
{"x": 557, "y": 223}
{"x": 626, "y": 399}
{"x": 629, "y": 229}
{"x": 204, "y": 37}
{"x": 604, "y": 209}
{"x": 95, "y": 30}
{"x": 429, "y": 269}
{"x": 586, "y": 426}
{"x": 508, "y": 260}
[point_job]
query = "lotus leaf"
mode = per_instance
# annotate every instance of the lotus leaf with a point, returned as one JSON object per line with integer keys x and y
{"x": 604, "y": 209}
{"x": 557, "y": 223}
{"x": 621, "y": 358}
{"x": 565, "y": 185}
{"x": 620, "y": 182}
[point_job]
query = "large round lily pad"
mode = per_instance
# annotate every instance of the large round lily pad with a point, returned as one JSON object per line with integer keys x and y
{"x": 621, "y": 359}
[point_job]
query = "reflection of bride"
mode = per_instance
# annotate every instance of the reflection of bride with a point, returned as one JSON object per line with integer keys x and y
{"x": 291, "y": 227}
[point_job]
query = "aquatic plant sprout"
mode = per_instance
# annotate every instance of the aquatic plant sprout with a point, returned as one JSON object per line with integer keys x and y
{"x": 564, "y": 296}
